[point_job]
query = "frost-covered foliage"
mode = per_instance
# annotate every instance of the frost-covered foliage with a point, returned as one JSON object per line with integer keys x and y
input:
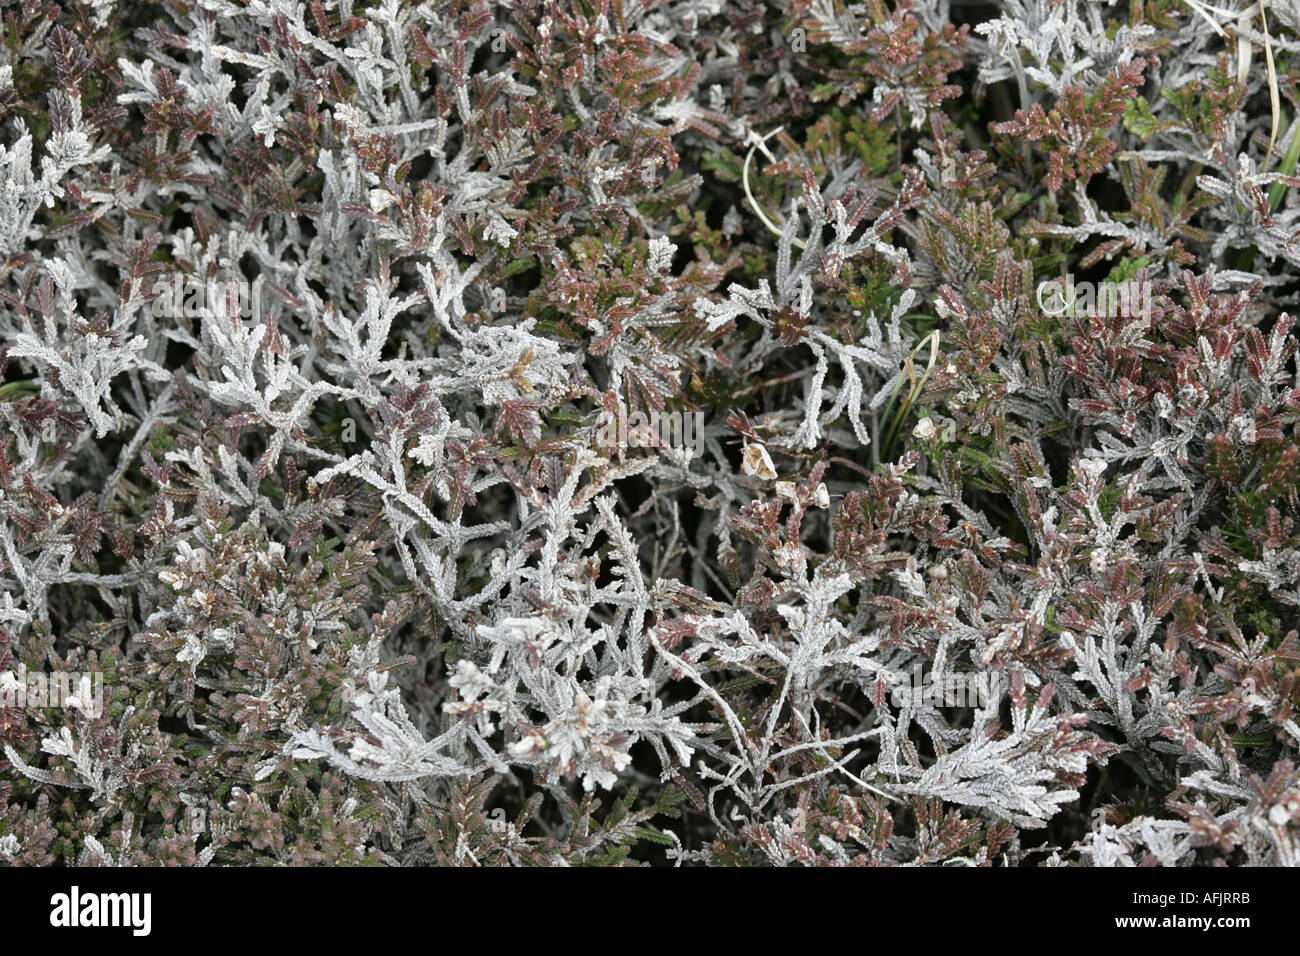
{"x": 314, "y": 320}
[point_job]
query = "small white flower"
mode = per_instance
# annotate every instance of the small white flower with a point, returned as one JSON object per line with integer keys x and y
{"x": 756, "y": 461}
{"x": 925, "y": 429}
{"x": 789, "y": 554}
{"x": 532, "y": 742}
{"x": 822, "y": 497}
{"x": 1092, "y": 467}
{"x": 1279, "y": 815}
{"x": 381, "y": 199}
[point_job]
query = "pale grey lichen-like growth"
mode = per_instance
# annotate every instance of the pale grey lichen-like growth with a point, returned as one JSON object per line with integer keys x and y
{"x": 313, "y": 322}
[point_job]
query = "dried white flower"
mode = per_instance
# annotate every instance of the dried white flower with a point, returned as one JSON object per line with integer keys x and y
{"x": 756, "y": 461}
{"x": 1092, "y": 467}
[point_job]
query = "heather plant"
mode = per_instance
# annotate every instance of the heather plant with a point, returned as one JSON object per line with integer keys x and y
{"x": 337, "y": 339}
